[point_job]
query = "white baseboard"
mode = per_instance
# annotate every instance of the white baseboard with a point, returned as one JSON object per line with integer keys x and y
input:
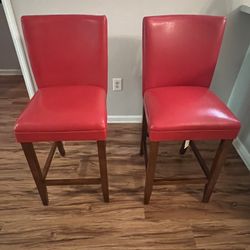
{"x": 10, "y": 72}
{"x": 242, "y": 151}
{"x": 124, "y": 118}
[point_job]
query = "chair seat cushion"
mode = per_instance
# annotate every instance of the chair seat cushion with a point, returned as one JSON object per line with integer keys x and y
{"x": 65, "y": 113}
{"x": 185, "y": 113}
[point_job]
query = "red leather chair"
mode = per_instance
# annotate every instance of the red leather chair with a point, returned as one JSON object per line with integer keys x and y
{"x": 179, "y": 57}
{"x": 68, "y": 57}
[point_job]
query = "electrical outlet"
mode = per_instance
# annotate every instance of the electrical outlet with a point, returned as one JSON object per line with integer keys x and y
{"x": 117, "y": 84}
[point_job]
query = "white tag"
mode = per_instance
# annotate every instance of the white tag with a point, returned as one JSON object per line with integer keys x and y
{"x": 186, "y": 144}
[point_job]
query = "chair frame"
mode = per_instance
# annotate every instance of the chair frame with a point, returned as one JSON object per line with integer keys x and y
{"x": 211, "y": 175}
{"x": 39, "y": 175}
{"x": 31, "y": 24}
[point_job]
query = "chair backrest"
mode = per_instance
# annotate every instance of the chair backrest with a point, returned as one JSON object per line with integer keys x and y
{"x": 67, "y": 49}
{"x": 181, "y": 49}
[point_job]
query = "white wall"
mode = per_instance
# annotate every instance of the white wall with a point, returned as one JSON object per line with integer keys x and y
{"x": 239, "y": 103}
{"x": 234, "y": 47}
{"x": 125, "y": 22}
{"x": 8, "y": 59}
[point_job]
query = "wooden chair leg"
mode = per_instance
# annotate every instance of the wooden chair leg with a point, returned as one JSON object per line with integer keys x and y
{"x": 150, "y": 171}
{"x": 103, "y": 169}
{"x": 143, "y": 133}
{"x": 35, "y": 169}
{"x": 183, "y": 149}
{"x": 216, "y": 168}
{"x": 60, "y": 148}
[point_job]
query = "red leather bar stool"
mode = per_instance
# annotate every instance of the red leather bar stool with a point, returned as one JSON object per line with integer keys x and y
{"x": 179, "y": 57}
{"x": 68, "y": 57}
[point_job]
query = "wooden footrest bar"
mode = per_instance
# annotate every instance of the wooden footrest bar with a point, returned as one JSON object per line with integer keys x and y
{"x": 89, "y": 181}
{"x": 171, "y": 181}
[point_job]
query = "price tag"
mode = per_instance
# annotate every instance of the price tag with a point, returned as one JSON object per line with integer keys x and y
{"x": 186, "y": 144}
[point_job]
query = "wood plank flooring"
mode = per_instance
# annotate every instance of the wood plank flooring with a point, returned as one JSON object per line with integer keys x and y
{"x": 77, "y": 217}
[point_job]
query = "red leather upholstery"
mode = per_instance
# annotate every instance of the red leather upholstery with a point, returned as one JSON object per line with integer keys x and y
{"x": 179, "y": 58}
{"x": 68, "y": 56}
{"x": 180, "y": 50}
{"x": 64, "y": 113}
{"x": 67, "y": 49}
{"x": 185, "y": 113}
